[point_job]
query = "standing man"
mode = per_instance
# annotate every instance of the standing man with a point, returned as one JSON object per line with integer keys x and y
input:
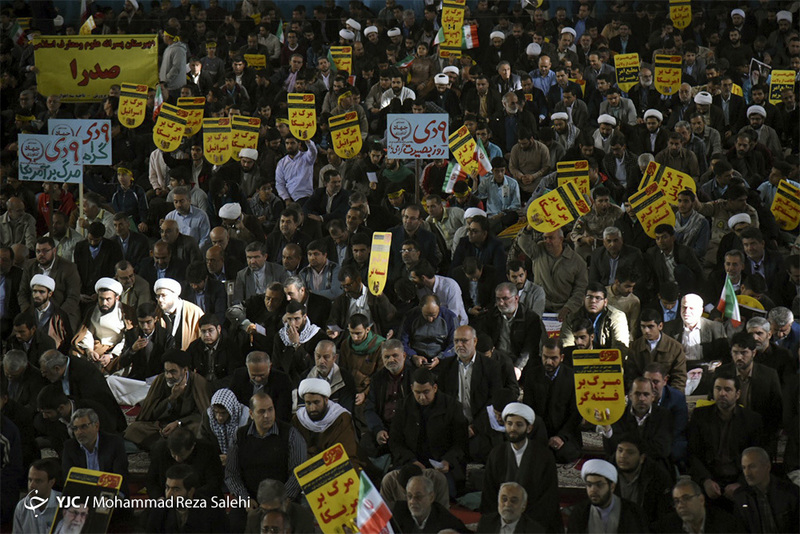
{"x": 191, "y": 220}
{"x": 294, "y": 175}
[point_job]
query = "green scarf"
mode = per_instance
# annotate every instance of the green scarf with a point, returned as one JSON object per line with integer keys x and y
{"x": 365, "y": 346}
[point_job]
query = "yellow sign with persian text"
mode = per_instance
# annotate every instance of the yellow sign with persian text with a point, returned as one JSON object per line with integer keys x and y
{"x": 132, "y": 105}
{"x": 786, "y": 206}
{"x": 244, "y": 134}
{"x": 379, "y": 262}
{"x": 627, "y": 67}
{"x": 680, "y": 11}
{"x": 557, "y": 208}
{"x": 345, "y": 134}
{"x": 669, "y": 180}
{"x": 302, "y": 115}
{"x": 576, "y": 172}
{"x": 217, "y": 140}
{"x": 170, "y": 127}
{"x": 780, "y": 80}
{"x": 651, "y": 206}
{"x": 452, "y": 28}
{"x": 668, "y": 74}
{"x": 342, "y": 57}
{"x": 599, "y": 386}
{"x": 195, "y": 107}
{"x": 464, "y": 149}
{"x": 331, "y": 487}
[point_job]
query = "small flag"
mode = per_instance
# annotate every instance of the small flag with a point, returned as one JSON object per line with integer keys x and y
{"x": 279, "y": 34}
{"x": 470, "y": 39}
{"x": 373, "y": 515}
{"x": 331, "y": 61}
{"x": 439, "y": 37}
{"x": 17, "y": 33}
{"x": 88, "y": 26}
{"x": 158, "y": 102}
{"x": 453, "y": 174}
{"x": 729, "y": 304}
{"x": 406, "y": 62}
{"x": 484, "y": 165}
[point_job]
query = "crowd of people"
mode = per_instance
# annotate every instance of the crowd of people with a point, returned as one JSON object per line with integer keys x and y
{"x": 220, "y": 318}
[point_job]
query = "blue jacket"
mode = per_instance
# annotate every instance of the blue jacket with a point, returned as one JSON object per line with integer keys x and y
{"x": 132, "y": 202}
{"x": 414, "y": 319}
{"x": 675, "y": 401}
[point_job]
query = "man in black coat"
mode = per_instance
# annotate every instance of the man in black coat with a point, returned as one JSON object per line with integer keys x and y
{"x": 485, "y": 276}
{"x": 145, "y": 344}
{"x": 29, "y": 339}
{"x": 328, "y": 202}
{"x": 511, "y": 503}
{"x": 421, "y": 512}
{"x": 624, "y": 256}
{"x": 12, "y": 278}
{"x": 162, "y": 261}
{"x": 215, "y": 355}
{"x": 24, "y": 381}
{"x": 134, "y": 245}
{"x": 411, "y": 228}
{"x": 96, "y": 257}
{"x": 182, "y": 482}
{"x": 550, "y": 390}
{"x": 259, "y": 374}
{"x": 205, "y": 291}
{"x": 782, "y": 497}
{"x": 183, "y": 447}
{"x": 642, "y": 480}
{"x": 692, "y": 515}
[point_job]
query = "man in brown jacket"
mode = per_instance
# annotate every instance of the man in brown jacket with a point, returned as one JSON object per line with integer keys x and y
{"x": 656, "y": 346}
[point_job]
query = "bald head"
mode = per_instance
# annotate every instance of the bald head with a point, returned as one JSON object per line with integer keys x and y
{"x": 219, "y": 236}
{"x": 215, "y": 259}
{"x": 169, "y": 231}
{"x": 16, "y": 208}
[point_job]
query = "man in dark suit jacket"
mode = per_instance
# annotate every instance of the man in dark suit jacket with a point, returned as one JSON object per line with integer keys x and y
{"x": 183, "y": 247}
{"x": 182, "y": 482}
{"x": 556, "y": 93}
{"x": 108, "y": 450}
{"x": 639, "y": 136}
{"x": 205, "y": 291}
{"x": 135, "y": 245}
{"x": 691, "y": 510}
{"x": 486, "y": 277}
{"x": 644, "y": 99}
{"x": 183, "y": 447}
{"x": 687, "y": 272}
{"x": 162, "y": 259}
{"x": 411, "y": 228}
{"x": 736, "y": 110}
{"x": 29, "y": 339}
{"x": 713, "y": 339}
{"x": 68, "y": 280}
{"x": 382, "y": 312}
{"x": 626, "y": 257}
{"x": 317, "y": 205}
{"x": 144, "y": 357}
{"x": 524, "y": 329}
{"x": 214, "y": 346}
{"x": 633, "y": 175}
{"x": 24, "y": 381}
{"x": 92, "y": 263}
{"x": 259, "y": 374}
{"x": 471, "y": 99}
{"x": 782, "y": 496}
{"x": 759, "y": 259}
{"x": 674, "y": 401}
{"x": 423, "y": 508}
{"x": 12, "y": 278}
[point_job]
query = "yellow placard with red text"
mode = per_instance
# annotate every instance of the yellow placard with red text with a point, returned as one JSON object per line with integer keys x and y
{"x": 651, "y": 206}
{"x": 668, "y": 74}
{"x": 342, "y": 57}
{"x": 680, "y": 11}
{"x": 217, "y": 140}
{"x": 464, "y": 149}
{"x": 331, "y": 487}
{"x": 780, "y": 80}
{"x": 132, "y": 105}
{"x": 669, "y": 180}
{"x": 576, "y": 172}
{"x": 452, "y": 28}
{"x": 244, "y": 134}
{"x": 345, "y": 134}
{"x": 786, "y": 206}
{"x": 302, "y": 115}
{"x": 599, "y": 385}
{"x": 257, "y": 61}
{"x": 627, "y": 70}
{"x": 169, "y": 128}
{"x": 195, "y": 107}
{"x": 379, "y": 262}
{"x": 557, "y": 208}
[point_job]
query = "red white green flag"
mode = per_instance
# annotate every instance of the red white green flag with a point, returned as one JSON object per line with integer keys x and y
{"x": 405, "y": 62}
{"x": 373, "y": 515}
{"x": 729, "y": 304}
{"x": 484, "y": 165}
{"x": 453, "y": 174}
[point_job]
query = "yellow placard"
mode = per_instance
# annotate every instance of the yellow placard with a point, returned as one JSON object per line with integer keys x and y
{"x": 599, "y": 386}
{"x": 217, "y": 140}
{"x": 557, "y": 208}
{"x": 651, "y": 207}
{"x": 379, "y": 261}
{"x": 82, "y": 68}
{"x": 627, "y": 67}
{"x": 257, "y": 61}
{"x": 302, "y": 115}
{"x": 132, "y": 105}
{"x": 96, "y": 491}
{"x": 779, "y": 80}
{"x": 669, "y": 180}
{"x": 195, "y": 107}
{"x": 342, "y": 57}
{"x": 170, "y": 127}
{"x": 244, "y": 134}
{"x": 345, "y": 134}
{"x": 331, "y": 487}
{"x": 452, "y": 28}
{"x": 786, "y": 206}
{"x": 749, "y": 302}
{"x": 668, "y": 74}
{"x": 464, "y": 149}
{"x": 512, "y": 230}
{"x": 680, "y": 11}
{"x": 576, "y": 172}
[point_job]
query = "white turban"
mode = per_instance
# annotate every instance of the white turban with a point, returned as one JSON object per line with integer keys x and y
{"x": 522, "y": 410}
{"x": 559, "y": 115}
{"x": 135, "y": 3}
{"x": 758, "y": 110}
{"x": 394, "y": 32}
{"x": 738, "y": 219}
{"x": 108, "y": 284}
{"x": 599, "y": 467}
{"x": 703, "y": 97}
{"x": 370, "y": 29}
{"x": 654, "y": 113}
{"x": 231, "y": 210}
{"x": 499, "y": 35}
{"x": 353, "y": 23}
{"x": 169, "y": 284}
{"x": 450, "y": 68}
{"x": 43, "y": 280}
{"x": 347, "y": 34}
{"x": 441, "y": 78}
{"x": 784, "y": 15}
{"x": 250, "y": 153}
{"x": 567, "y": 29}
{"x": 739, "y": 12}
{"x": 605, "y": 118}
{"x": 316, "y": 386}
{"x": 474, "y": 212}
{"x": 534, "y": 49}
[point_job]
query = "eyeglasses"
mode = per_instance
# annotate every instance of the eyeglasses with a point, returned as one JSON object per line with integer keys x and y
{"x": 84, "y": 426}
{"x": 684, "y": 499}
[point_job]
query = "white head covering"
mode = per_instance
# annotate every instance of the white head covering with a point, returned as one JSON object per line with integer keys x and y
{"x": 353, "y": 23}
{"x": 347, "y": 34}
{"x": 135, "y": 3}
{"x": 394, "y": 32}
{"x": 370, "y": 29}
{"x": 231, "y": 210}
{"x": 474, "y": 212}
{"x": 251, "y": 153}
{"x": 522, "y": 410}
{"x": 58, "y": 21}
{"x": 605, "y": 118}
{"x": 441, "y": 78}
{"x": 599, "y": 467}
{"x": 450, "y": 68}
{"x": 739, "y": 12}
{"x": 654, "y": 113}
{"x": 567, "y": 29}
{"x": 497, "y": 34}
{"x": 534, "y": 49}
{"x": 318, "y": 386}
{"x": 784, "y": 15}
{"x": 108, "y": 284}
{"x": 559, "y": 115}
{"x": 758, "y": 110}
{"x": 703, "y": 97}
{"x": 43, "y": 280}
{"x": 738, "y": 219}
{"x": 169, "y": 284}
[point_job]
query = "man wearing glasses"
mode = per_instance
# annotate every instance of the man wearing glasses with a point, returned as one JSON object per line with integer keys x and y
{"x": 691, "y": 514}
{"x": 610, "y": 325}
{"x": 68, "y": 281}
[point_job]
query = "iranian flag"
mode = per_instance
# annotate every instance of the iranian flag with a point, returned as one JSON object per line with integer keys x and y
{"x": 453, "y": 174}
{"x": 17, "y": 33}
{"x": 159, "y": 101}
{"x": 484, "y": 165}
{"x": 405, "y": 62}
{"x": 439, "y": 36}
{"x": 728, "y": 304}
{"x": 373, "y": 515}
{"x": 279, "y": 33}
{"x": 470, "y": 39}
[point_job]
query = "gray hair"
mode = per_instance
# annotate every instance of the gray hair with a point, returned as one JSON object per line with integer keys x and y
{"x": 295, "y": 281}
{"x": 257, "y": 356}
{"x": 181, "y": 190}
{"x": 503, "y": 64}
{"x": 758, "y": 322}
{"x": 327, "y": 343}
{"x": 688, "y": 483}
{"x": 683, "y": 124}
{"x": 52, "y": 358}
{"x": 516, "y": 486}
{"x": 428, "y": 483}
{"x": 14, "y": 360}
{"x": 269, "y": 490}
{"x": 780, "y": 316}
{"x": 84, "y": 412}
{"x": 611, "y": 230}
{"x": 508, "y": 94}
{"x": 758, "y": 451}
{"x": 392, "y": 344}
{"x": 512, "y": 288}
{"x": 645, "y": 159}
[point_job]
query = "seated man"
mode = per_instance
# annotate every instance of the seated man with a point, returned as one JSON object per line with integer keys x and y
{"x": 326, "y": 367}
{"x": 29, "y": 338}
{"x": 513, "y": 329}
{"x": 512, "y": 501}
{"x": 427, "y": 333}
{"x": 50, "y": 318}
{"x": 318, "y": 307}
{"x": 92, "y": 449}
{"x": 610, "y": 325}
{"x": 322, "y": 422}
{"x": 293, "y": 349}
{"x": 550, "y": 390}
{"x": 259, "y": 273}
{"x": 527, "y": 462}
{"x": 531, "y": 296}
{"x": 271, "y": 498}
{"x": 358, "y": 299}
{"x": 183, "y": 447}
{"x": 321, "y": 275}
{"x": 215, "y": 355}
{"x": 178, "y": 316}
{"x": 693, "y": 516}
{"x": 24, "y": 381}
{"x": 674, "y": 401}
{"x": 642, "y": 480}
{"x": 37, "y": 517}
{"x": 203, "y": 517}
{"x": 178, "y": 397}
{"x": 421, "y": 512}
{"x": 702, "y": 339}
{"x": 655, "y": 346}
{"x": 101, "y": 336}
{"x": 221, "y": 421}
{"x": 204, "y": 291}
{"x": 259, "y": 374}
{"x": 361, "y": 356}
{"x": 260, "y": 317}
{"x": 782, "y": 497}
